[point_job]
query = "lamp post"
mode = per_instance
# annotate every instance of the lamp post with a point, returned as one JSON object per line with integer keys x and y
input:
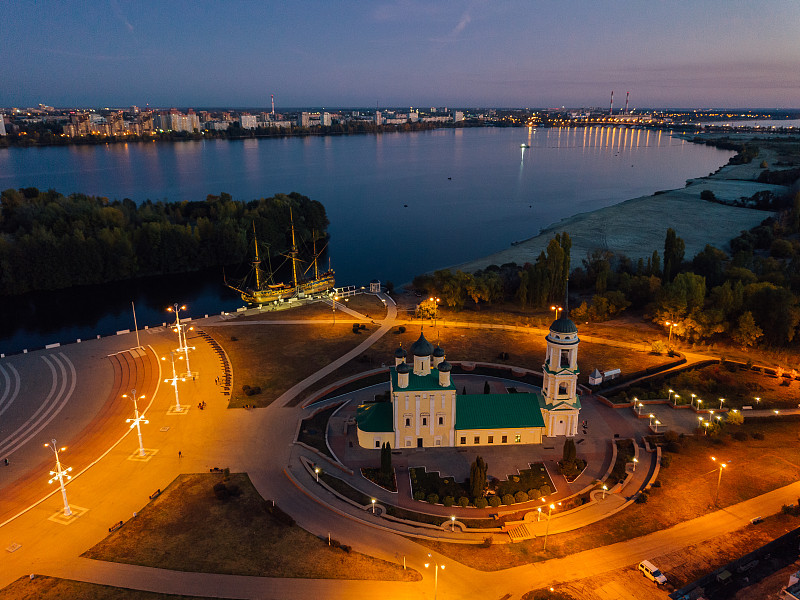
{"x": 452, "y": 523}
{"x": 436, "y": 567}
{"x": 693, "y": 397}
{"x": 333, "y": 307}
{"x": 722, "y": 465}
{"x": 676, "y": 396}
{"x": 556, "y": 309}
{"x": 539, "y": 514}
{"x": 757, "y": 401}
{"x": 547, "y": 529}
{"x": 183, "y": 345}
{"x": 174, "y": 381}
{"x": 639, "y": 405}
{"x": 671, "y": 324}
{"x": 635, "y": 461}
{"x": 60, "y": 474}
{"x": 706, "y": 424}
{"x": 669, "y": 399}
{"x": 652, "y": 416}
{"x": 605, "y": 489}
{"x": 721, "y": 402}
{"x": 655, "y": 429}
{"x": 135, "y": 422}
{"x": 373, "y": 506}
{"x": 316, "y": 472}
{"x": 699, "y": 402}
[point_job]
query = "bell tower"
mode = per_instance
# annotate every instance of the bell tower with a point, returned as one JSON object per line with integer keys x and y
{"x": 560, "y": 403}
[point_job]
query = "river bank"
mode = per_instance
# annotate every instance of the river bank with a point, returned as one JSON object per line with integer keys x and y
{"x": 637, "y": 227}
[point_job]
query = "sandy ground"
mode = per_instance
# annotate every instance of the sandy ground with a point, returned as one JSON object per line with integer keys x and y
{"x": 637, "y": 227}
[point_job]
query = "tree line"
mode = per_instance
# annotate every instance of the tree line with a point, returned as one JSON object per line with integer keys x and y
{"x": 749, "y": 294}
{"x": 50, "y": 241}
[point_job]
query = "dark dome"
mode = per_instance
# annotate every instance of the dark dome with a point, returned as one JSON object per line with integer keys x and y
{"x": 404, "y": 368}
{"x": 400, "y": 353}
{"x": 563, "y": 325}
{"x": 438, "y": 352}
{"x": 445, "y": 366}
{"x": 422, "y": 347}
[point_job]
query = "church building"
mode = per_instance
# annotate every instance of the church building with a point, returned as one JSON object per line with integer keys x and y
{"x": 426, "y": 411}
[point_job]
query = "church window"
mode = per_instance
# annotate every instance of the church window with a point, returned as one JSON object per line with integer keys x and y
{"x": 463, "y": 440}
{"x": 437, "y": 442}
{"x": 408, "y": 443}
{"x": 565, "y": 358}
{"x": 504, "y": 439}
{"x": 491, "y": 439}
{"x": 424, "y": 421}
{"x": 408, "y": 421}
{"x": 562, "y": 389}
{"x": 377, "y": 443}
{"x": 441, "y": 420}
{"x": 517, "y": 438}
{"x": 477, "y": 439}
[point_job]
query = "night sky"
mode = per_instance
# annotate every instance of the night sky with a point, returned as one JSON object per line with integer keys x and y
{"x": 527, "y": 53}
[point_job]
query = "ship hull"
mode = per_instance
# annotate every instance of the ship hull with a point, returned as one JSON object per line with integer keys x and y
{"x": 284, "y": 292}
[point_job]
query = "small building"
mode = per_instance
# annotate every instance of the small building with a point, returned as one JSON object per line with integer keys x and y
{"x": 596, "y": 377}
{"x": 425, "y": 411}
{"x": 374, "y": 286}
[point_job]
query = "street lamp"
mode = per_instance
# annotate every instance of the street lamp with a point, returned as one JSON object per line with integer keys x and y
{"x": 671, "y": 324}
{"x": 706, "y": 425}
{"x": 333, "y": 306}
{"x": 373, "y": 506}
{"x": 539, "y": 515}
{"x": 316, "y": 472}
{"x": 669, "y": 399}
{"x": 183, "y": 346}
{"x": 676, "y": 396}
{"x": 693, "y": 397}
{"x": 776, "y": 412}
{"x": 556, "y": 309}
{"x": 655, "y": 429}
{"x": 453, "y": 523}
{"x": 436, "y": 567}
{"x": 135, "y": 422}
{"x": 547, "y": 529}
{"x": 174, "y": 380}
{"x": 60, "y": 474}
{"x": 639, "y": 405}
{"x": 605, "y": 489}
{"x": 635, "y": 460}
{"x": 721, "y": 402}
{"x": 722, "y": 465}
{"x": 699, "y": 402}
{"x": 757, "y": 400}
{"x": 652, "y": 416}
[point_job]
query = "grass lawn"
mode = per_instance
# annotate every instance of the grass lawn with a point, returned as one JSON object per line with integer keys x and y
{"x": 688, "y": 488}
{"x": 53, "y": 588}
{"x": 275, "y": 357}
{"x": 188, "y": 529}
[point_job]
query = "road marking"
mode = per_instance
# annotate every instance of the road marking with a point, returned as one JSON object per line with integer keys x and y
{"x": 62, "y": 519}
{"x": 7, "y": 400}
{"x": 50, "y": 408}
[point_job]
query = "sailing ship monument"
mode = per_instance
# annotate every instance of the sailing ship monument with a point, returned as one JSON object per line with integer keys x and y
{"x": 266, "y": 290}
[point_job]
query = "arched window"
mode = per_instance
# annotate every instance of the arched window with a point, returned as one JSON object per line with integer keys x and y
{"x": 562, "y": 389}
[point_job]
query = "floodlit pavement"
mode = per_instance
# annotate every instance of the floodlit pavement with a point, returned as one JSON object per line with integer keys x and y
{"x": 258, "y": 442}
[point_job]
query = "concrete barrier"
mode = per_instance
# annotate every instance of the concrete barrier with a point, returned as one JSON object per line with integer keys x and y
{"x": 51, "y": 346}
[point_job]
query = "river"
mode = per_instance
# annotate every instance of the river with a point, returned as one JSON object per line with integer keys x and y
{"x": 399, "y": 204}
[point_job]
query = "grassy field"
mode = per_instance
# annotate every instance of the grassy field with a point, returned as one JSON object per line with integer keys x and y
{"x": 687, "y": 490}
{"x": 188, "y": 529}
{"x": 52, "y": 588}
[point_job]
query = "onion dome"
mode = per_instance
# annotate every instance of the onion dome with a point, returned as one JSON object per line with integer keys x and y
{"x": 563, "y": 325}
{"x": 445, "y": 366}
{"x": 400, "y": 353}
{"x": 438, "y": 352}
{"x": 404, "y": 368}
{"x": 422, "y": 347}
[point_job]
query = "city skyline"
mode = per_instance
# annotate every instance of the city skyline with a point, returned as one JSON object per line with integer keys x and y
{"x": 403, "y": 53}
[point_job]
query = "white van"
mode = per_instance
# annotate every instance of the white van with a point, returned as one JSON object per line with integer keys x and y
{"x": 650, "y": 571}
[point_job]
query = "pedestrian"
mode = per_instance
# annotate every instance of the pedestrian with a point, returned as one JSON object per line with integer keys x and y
{"x": 179, "y": 454}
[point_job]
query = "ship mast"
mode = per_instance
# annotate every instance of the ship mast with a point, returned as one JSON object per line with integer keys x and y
{"x": 293, "y": 251}
{"x": 316, "y": 270}
{"x": 257, "y": 261}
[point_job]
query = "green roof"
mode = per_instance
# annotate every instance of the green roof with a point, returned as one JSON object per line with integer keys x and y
{"x": 375, "y": 417}
{"x": 420, "y": 383}
{"x": 560, "y": 405}
{"x": 563, "y": 325}
{"x": 496, "y": 411}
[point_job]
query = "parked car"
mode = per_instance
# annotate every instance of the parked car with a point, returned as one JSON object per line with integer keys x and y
{"x": 650, "y": 571}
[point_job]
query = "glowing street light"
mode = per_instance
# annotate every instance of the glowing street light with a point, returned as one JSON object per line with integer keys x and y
{"x": 605, "y": 489}
{"x": 669, "y": 399}
{"x": 436, "y": 567}
{"x": 556, "y": 309}
{"x": 721, "y": 402}
{"x": 316, "y": 472}
{"x": 547, "y": 529}
{"x": 539, "y": 515}
{"x": 693, "y": 397}
{"x": 137, "y": 419}
{"x": 60, "y": 474}
{"x": 373, "y": 506}
{"x": 722, "y": 465}
{"x": 638, "y": 404}
{"x": 676, "y": 396}
{"x": 174, "y": 381}
{"x": 699, "y": 402}
{"x": 670, "y": 324}
{"x": 652, "y": 416}
{"x": 183, "y": 346}
{"x": 657, "y": 423}
{"x": 453, "y": 523}
{"x": 334, "y": 299}
{"x": 635, "y": 461}
{"x": 776, "y": 412}
{"x": 757, "y": 400}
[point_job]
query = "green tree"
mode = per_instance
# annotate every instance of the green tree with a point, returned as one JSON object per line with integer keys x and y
{"x": 386, "y": 461}
{"x": 746, "y": 332}
{"x": 477, "y": 477}
{"x": 569, "y": 453}
{"x": 674, "y": 249}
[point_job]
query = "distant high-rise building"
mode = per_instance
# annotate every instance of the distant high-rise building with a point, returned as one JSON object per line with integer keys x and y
{"x": 325, "y": 119}
{"x": 378, "y": 118}
{"x": 458, "y": 116}
{"x": 413, "y": 116}
{"x": 248, "y": 121}
{"x": 303, "y": 119}
{"x": 2, "y": 125}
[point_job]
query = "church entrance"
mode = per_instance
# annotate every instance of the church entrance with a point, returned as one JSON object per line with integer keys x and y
{"x": 561, "y": 427}
{"x": 419, "y": 442}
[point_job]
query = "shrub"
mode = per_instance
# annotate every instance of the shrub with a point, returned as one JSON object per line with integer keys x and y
{"x": 665, "y": 460}
{"x": 448, "y": 501}
{"x": 740, "y": 436}
{"x": 521, "y": 496}
{"x": 463, "y": 502}
{"x": 673, "y": 447}
{"x": 481, "y": 503}
{"x": 707, "y": 195}
{"x": 641, "y": 498}
{"x": 508, "y": 499}
{"x": 419, "y": 495}
{"x": 494, "y": 501}
{"x": 401, "y": 329}
{"x": 433, "y": 498}
{"x": 533, "y": 494}
{"x": 671, "y": 436}
{"x": 545, "y": 490}
{"x": 346, "y": 548}
{"x": 487, "y": 542}
{"x": 656, "y": 484}
{"x": 757, "y": 435}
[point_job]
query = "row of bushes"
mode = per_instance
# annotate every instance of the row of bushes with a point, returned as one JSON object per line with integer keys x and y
{"x": 493, "y": 501}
